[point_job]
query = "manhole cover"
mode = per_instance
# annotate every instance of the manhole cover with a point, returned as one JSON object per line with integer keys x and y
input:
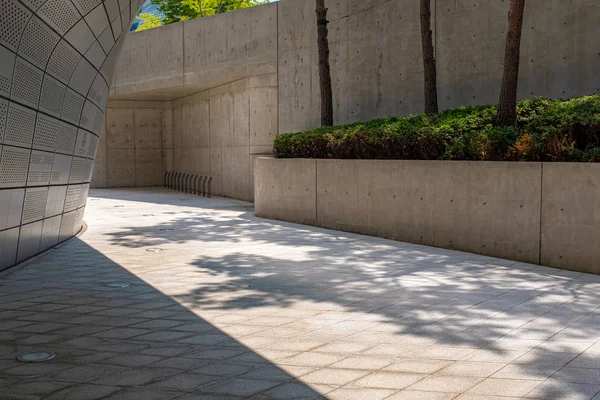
{"x": 36, "y": 356}
{"x": 118, "y": 284}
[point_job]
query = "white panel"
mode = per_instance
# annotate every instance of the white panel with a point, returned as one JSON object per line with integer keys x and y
{"x": 37, "y": 42}
{"x": 3, "y": 114}
{"x": 50, "y": 232}
{"x": 95, "y": 55}
{"x": 56, "y": 200}
{"x": 27, "y": 83}
{"x": 53, "y": 94}
{"x": 35, "y": 204}
{"x": 11, "y": 206}
{"x": 85, "y": 6}
{"x": 13, "y": 19}
{"x": 72, "y": 106}
{"x": 83, "y": 76}
{"x": 9, "y": 240}
{"x": 46, "y": 130}
{"x": 60, "y": 169}
{"x": 40, "y": 168}
{"x": 78, "y": 167}
{"x": 59, "y": 14}
{"x": 106, "y": 40}
{"x": 67, "y": 136}
{"x": 63, "y": 62}
{"x": 84, "y": 194}
{"x": 72, "y": 199}
{"x": 112, "y": 8}
{"x": 97, "y": 20}
{"x": 93, "y": 147}
{"x": 67, "y": 226}
{"x": 83, "y": 142}
{"x": 13, "y": 166}
{"x": 98, "y": 91}
{"x": 6, "y": 70}
{"x": 117, "y": 27}
{"x": 20, "y": 125}
{"x": 91, "y": 118}
{"x": 80, "y": 36}
{"x": 29, "y": 240}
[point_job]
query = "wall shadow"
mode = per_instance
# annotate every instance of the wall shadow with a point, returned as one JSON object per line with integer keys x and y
{"x": 126, "y": 343}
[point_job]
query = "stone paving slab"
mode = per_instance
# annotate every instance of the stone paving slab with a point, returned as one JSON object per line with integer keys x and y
{"x": 224, "y": 305}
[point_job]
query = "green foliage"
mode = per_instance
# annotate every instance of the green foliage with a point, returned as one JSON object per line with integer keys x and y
{"x": 547, "y": 130}
{"x": 149, "y": 21}
{"x": 181, "y": 10}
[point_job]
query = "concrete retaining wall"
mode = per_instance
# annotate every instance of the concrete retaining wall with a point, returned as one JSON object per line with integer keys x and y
{"x": 531, "y": 212}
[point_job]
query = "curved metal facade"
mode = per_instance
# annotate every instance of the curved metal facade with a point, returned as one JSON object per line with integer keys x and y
{"x": 56, "y": 63}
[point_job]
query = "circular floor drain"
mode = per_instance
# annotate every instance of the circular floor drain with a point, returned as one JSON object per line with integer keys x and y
{"x": 36, "y": 356}
{"x": 154, "y": 250}
{"x": 118, "y": 284}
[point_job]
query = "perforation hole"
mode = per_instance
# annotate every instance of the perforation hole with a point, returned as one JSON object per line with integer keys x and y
{"x": 85, "y": 6}
{"x": 63, "y": 62}
{"x": 19, "y": 126}
{"x": 3, "y": 112}
{"x": 53, "y": 93}
{"x": 72, "y": 199}
{"x": 13, "y": 18}
{"x": 40, "y": 168}
{"x": 37, "y": 42}
{"x": 72, "y": 106}
{"x": 27, "y": 83}
{"x": 61, "y": 14}
{"x": 46, "y": 129}
{"x": 13, "y": 166}
{"x": 78, "y": 167}
{"x": 65, "y": 141}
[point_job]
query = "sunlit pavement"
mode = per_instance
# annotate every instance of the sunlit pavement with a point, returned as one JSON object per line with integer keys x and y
{"x": 223, "y": 305}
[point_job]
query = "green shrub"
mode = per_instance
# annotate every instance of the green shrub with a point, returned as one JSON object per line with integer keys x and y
{"x": 546, "y": 130}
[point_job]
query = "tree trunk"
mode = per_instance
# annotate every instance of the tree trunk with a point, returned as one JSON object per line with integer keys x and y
{"x": 430, "y": 73}
{"x": 507, "y": 108}
{"x": 200, "y": 5}
{"x": 324, "y": 67}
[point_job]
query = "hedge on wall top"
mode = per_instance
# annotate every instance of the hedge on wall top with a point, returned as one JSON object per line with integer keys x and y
{"x": 546, "y": 130}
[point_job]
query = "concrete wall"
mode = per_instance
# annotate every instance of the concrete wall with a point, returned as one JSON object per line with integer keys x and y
{"x": 377, "y": 64}
{"x": 130, "y": 149}
{"x": 237, "y": 79}
{"x": 219, "y": 131}
{"x": 532, "y": 212}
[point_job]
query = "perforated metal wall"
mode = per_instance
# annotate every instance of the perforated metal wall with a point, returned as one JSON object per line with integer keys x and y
{"x": 56, "y": 64}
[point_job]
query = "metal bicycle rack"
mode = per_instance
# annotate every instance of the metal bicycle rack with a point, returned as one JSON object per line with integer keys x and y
{"x": 199, "y": 185}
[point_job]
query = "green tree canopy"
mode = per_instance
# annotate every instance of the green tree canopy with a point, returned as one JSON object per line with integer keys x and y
{"x": 148, "y": 21}
{"x": 181, "y": 10}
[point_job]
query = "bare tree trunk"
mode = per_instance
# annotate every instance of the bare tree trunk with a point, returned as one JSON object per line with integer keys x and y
{"x": 324, "y": 67}
{"x": 200, "y": 5}
{"x": 507, "y": 108}
{"x": 430, "y": 73}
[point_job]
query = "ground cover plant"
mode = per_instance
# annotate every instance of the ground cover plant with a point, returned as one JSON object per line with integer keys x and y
{"x": 546, "y": 130}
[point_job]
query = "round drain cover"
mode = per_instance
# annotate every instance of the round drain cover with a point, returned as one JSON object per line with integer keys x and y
{"x": 36, "y": 356}
{"x": 118, "y": 284}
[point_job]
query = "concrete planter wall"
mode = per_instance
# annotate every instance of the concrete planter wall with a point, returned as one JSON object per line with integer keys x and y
{"x": 543, "y": 213}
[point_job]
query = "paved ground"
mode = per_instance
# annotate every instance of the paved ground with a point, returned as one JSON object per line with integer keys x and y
{"x": 224, "y": 305}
